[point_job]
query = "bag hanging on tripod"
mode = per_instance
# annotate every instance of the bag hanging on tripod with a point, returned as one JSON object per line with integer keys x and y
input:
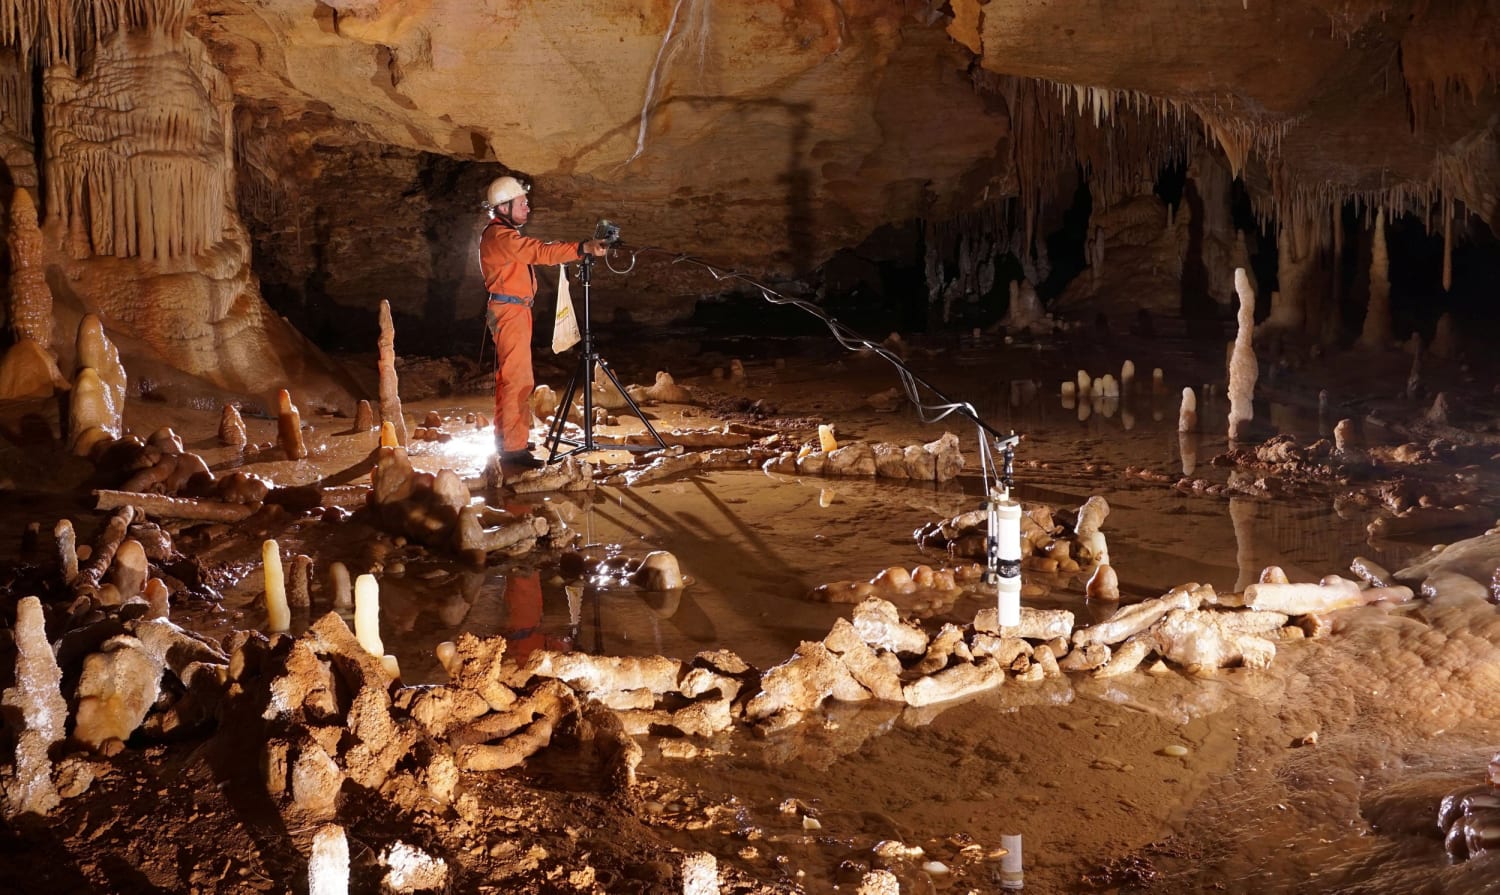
{"x": 564, "y": 322}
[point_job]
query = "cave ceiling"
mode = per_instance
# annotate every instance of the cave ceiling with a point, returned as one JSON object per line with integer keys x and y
{"x": 352, "y": 139}
{"x": 828, "y": 119}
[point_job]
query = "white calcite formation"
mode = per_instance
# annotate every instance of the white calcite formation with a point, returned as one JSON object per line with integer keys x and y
{"x": 410, "y": 870}
{"x": 328, "y": 865}
{"x": 1090, "y": 544}
{"x": 939, "y": 460}
{"x": 37, "y": 703}
{"x": 1243, "y": 369}
{"x": 119, "y": 685}
{"x": 1187, "y": 414}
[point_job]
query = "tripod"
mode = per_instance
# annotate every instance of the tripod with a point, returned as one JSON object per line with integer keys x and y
{"x": 583, "y": 378}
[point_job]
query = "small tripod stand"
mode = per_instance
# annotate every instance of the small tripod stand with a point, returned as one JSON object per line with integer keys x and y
{"x": 583, "y": 378}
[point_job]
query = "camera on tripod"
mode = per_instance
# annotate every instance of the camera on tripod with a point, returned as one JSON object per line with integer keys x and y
{"x": 607, "y": 232}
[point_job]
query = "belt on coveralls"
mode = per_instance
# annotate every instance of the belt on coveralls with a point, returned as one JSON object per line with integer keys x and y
{"x": 491, "y": 319}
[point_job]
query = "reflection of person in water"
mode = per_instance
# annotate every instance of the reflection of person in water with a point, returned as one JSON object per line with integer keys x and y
{"x": 523, "y": 617}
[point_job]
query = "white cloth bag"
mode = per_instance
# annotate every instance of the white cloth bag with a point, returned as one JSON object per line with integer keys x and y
{"x": 564, "y": 322}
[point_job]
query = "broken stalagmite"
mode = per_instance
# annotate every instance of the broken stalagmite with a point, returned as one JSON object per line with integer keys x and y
{"x": 289, "y": 427}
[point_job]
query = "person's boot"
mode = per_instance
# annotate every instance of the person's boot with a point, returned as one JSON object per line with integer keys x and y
{"x": 521, "y": 459}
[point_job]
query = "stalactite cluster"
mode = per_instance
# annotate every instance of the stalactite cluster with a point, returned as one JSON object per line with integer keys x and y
{"x": 61, "y": 31}
{"x": 960, "y": 253}
{"x": 16, "y": 108}
{"x": 1453, "y": 58}
{"x": 137, "y": 143}
{"x": 133, "y": 177}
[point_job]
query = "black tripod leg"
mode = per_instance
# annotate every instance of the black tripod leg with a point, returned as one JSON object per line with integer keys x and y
{"x": 560, "y": 418}
{"x": 604, "y": 365}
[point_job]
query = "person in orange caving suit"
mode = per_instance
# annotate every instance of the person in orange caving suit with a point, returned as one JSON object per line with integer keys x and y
{"x": 505, "y": 259}
{"x": 523, "y": 618}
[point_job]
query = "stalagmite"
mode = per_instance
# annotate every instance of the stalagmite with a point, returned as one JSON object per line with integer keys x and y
{"x": 94, "y": 349}
{"x": 1414, "y": 377}
{"x": 36, "y": 714}
{"x": 289, "y": 427}
{"x": 338, "y": 583}
{"x": 1243, "y": 369}
{"x": 29, "y": 369}
{"x": 1025, "y": 310}
{"x": 103, "y": 554}
{"x": 390, "y": 397}
{"x": 1187, "y": 416}
{"x": 826, "y": 442}
{"x": 128, "y": 572}
{"x": 367, "y": 615}
{"x": 232, "y": 427}
{"x": 1346, "y": 445}
{"x": 328, "y": 866}
{"x": 1187, "y": 450}
{"x": 67, "y": 549}
{"x": 299, "y": 585}
{"x": 159, "y": 598}
{"x": 1104, "y": 584}
{"x": 30, "y": 297}
{"x": 278, "y": 616}
{"x": 1127, "y": 375}
{"x": 364, "y": 416}
{"x": 91, "y": 417}
{"x": 1376, "y": 333}
{"x": 1444, "y": 338}
{"x": 1158, "y": 381}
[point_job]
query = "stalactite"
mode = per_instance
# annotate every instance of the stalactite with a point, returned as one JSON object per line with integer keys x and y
{"x": 1337, "y": 295}
{"x": 1447, "y": 245}
{"x": 16, "y": 93}
{"x": 1288, "y": 309}
{"x": 147, "y": 180}
{"x": 1376, "y": 333}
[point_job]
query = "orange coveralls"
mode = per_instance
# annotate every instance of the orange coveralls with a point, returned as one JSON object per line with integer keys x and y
{"x": 505, "y": 259}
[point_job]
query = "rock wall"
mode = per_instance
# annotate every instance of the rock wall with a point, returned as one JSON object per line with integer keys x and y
{"x": 767, "y": 138}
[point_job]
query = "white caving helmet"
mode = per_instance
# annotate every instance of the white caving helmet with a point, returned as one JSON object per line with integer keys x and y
{"x": 502, "y": 190}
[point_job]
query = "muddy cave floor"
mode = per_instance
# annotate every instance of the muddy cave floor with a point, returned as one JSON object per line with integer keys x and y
{"x": 1401, "y": 700}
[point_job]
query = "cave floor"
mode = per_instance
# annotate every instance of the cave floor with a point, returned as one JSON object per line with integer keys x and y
{"x": 1321, "y": 773}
